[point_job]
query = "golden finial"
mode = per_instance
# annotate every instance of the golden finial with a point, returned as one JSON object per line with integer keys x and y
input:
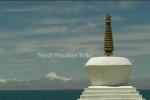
{"x": 108, "y": 40}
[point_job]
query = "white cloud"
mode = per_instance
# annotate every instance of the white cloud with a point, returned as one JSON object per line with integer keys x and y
{"x": 8, "y": 80}
{"x": 138, "y": 28}
{"x": 117, "y": 18}
{"x": 134, "y": 32}
{"x": 25, "y": 9}
{"x": 24, "y": 48}
{"x": 59, "y": 21}
{"x": 53, "y": 76}
{"x": 70, "y": 25}
{"x": 52, "y": 7}
{"x": 125, "y": 4}
{"x": 70, "y": 44}
{"x": 49, "y": 30}
{"x": 3, "y": 81}
{"x": 138, "y": 34}
{"x": 63, "y": 30}
{"x": 88, "y": 27}
{"x": 76, "y": 44}
{"x": 15, "y": 80}
{"x": 139, "y": 49}
{"x": 131, "y": 36}
{"x": 6, "y": 35}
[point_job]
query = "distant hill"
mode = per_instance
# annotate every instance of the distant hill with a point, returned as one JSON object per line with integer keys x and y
{"x": 60, "y": 82}
{"x": 44, "y": 84}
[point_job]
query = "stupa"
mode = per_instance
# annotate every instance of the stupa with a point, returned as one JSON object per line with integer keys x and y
{"x": 109, "y": 75}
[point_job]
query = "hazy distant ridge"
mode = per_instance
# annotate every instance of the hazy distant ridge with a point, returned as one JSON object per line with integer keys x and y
{"x": 46, "y": 83}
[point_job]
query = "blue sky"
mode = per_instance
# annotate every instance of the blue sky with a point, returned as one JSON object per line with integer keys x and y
{"x": 28, "y": 28}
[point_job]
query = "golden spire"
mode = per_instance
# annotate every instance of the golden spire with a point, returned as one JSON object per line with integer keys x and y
{"x": 108, "y": 40}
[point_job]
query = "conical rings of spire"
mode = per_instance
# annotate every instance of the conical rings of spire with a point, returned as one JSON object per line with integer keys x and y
{"x": 108, "y": 39}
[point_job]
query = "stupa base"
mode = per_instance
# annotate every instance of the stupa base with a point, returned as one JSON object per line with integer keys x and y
{"x": 111, "y": 93}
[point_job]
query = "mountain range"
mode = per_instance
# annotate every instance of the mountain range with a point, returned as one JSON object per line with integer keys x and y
{"x": 53, "y": 81}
